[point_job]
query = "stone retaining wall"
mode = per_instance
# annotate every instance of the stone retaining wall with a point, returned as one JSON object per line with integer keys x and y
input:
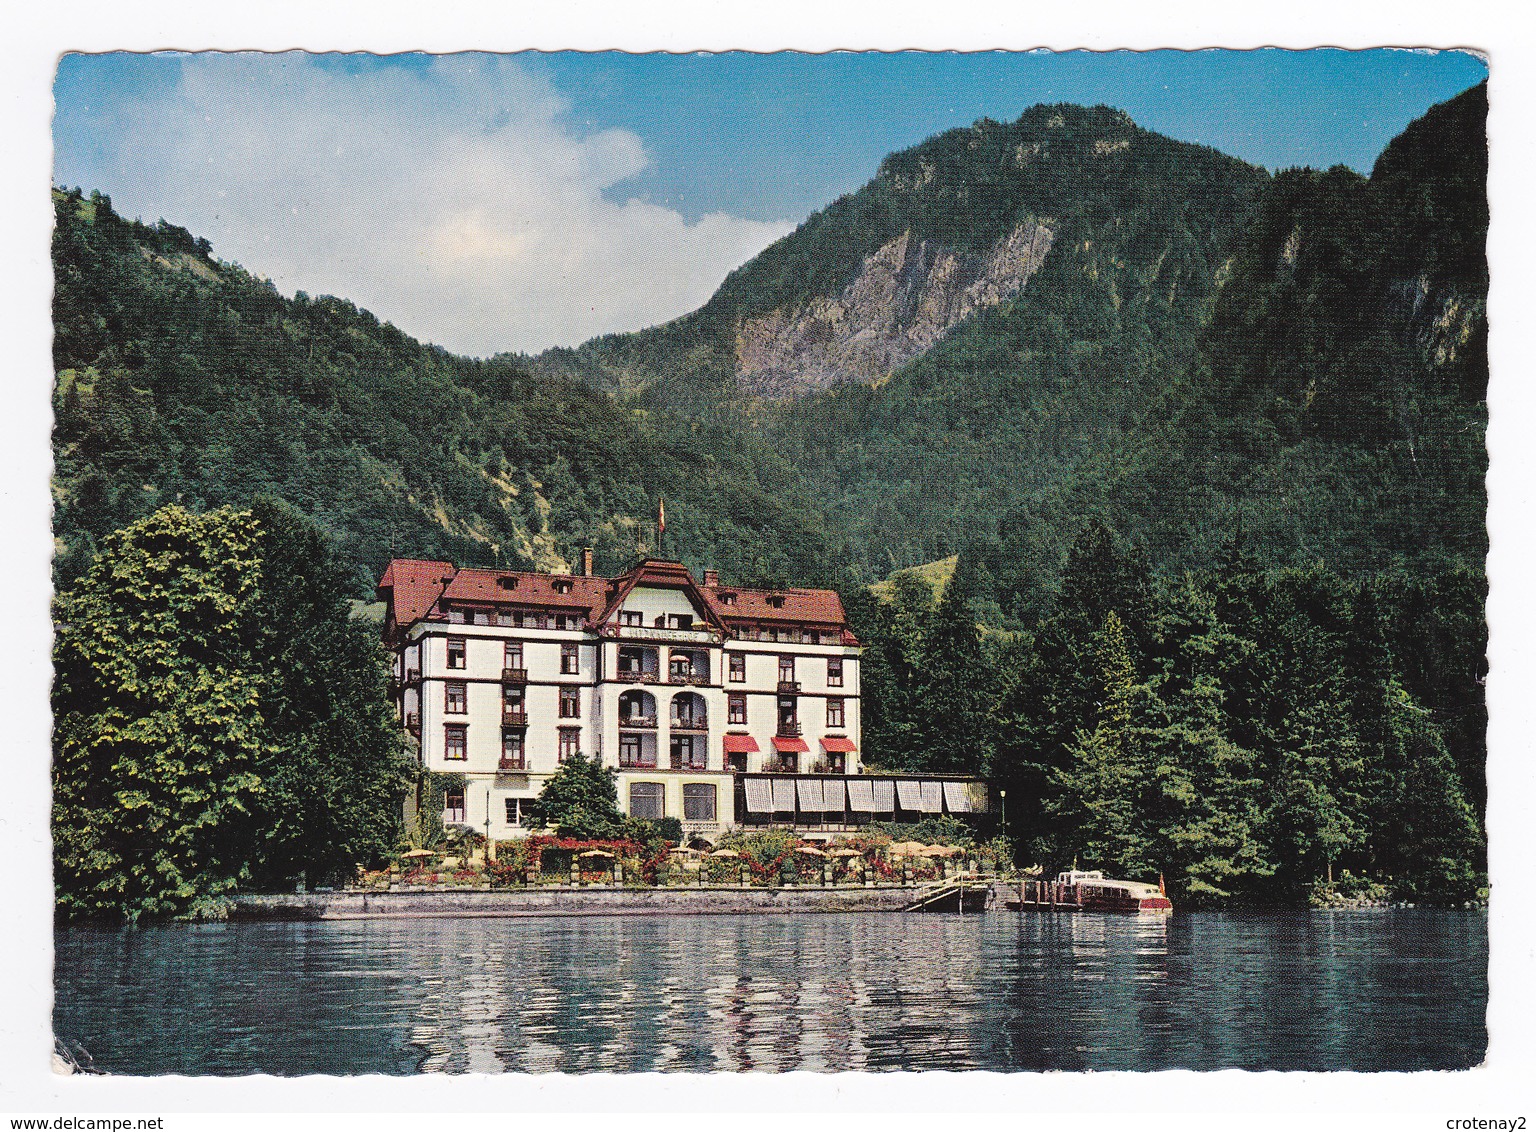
{"x": 562, "y": 901}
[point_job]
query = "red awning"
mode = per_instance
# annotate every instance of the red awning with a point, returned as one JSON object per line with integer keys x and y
{"x": 739, "y": 744}
{"x": 780, "y": 743}
{"x": 837, "y": 743}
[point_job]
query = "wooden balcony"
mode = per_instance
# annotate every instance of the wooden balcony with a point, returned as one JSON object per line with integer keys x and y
{"x": 688, "y": 678}
{"x": 789, "y": 687}
{"x": 514, "y": 676}
{"x": 512, "y": 764}
{"x": 637, "y": 723}
{"x": 514, "y": 717}
{"x": 693, "y": 723}
{"x": 638, "y": 762}
{"x": 788, "y": 729}
{"x": 412, "y": 675}
{"x": 413, "y": 723}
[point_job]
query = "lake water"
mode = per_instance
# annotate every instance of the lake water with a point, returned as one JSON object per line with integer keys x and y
{"x": 1402, "y": 989}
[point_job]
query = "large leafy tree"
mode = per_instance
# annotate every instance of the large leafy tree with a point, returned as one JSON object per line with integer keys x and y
{"x": 220, "y": 721}
{"x": 158, "y": 734}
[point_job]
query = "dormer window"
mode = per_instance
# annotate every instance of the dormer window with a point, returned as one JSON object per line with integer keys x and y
{"x": 630, "y": 617}
{"x": 562, "y": 587}
{"x": 776, "y": 601}
{"x": 727, "y": 599}
{"x": 507, "y": 583}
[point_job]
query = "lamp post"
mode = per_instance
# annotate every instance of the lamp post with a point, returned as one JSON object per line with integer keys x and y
{"x": 490, "y": 846}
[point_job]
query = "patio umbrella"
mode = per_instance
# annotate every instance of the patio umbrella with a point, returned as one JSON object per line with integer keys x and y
{"x": 844, "y": 853}
{"x": 725, "y": 853}
{"x": 417, "y": 853}
{"x": 943, "y": 851}
{"x": 907, "y": 849}
{"x": 594, "y": 853}
{"x": 808, "y": 851}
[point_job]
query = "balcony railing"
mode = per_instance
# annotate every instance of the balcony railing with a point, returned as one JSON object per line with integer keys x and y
{"x": 637, "y": 762}
{"x": 689, "y": 678}
{"x": 514, "y": 717}
{"x": 413, "y": 723}
{"x": 412, "y": 675}
{"x": 641, "y": 722}
{"x": 784, "y": 764}
{"x": 698, "y": 762}
{"x": 639, "y": 675}
{"x": 514, "y": 676}
{"x": 789, "y": 687}
{"x": 518, "y": 763}
{"x": 693, "y": 723}
{"x": 788, "y": 729}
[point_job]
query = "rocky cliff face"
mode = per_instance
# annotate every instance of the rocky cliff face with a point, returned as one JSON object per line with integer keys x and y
{"x": 904, "y": 298}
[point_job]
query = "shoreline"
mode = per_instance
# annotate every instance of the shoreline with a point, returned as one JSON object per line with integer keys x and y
{"x": 563, "y": 901}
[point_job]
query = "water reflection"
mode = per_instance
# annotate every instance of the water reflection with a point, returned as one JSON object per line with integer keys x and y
{"x": 1005, "y": 991}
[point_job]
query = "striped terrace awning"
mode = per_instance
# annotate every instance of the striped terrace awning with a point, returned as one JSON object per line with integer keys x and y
{"x": 784, "y": 794}
{"x": 810, "y": 794}
{"x": 885, "y": 795}
{"x": 861, "y": 796}
{"x": 832, "y": 793}
{"x": 933, "y": 798}
{"x": 957, "y": 797}
{"x": 909, "y": 794}
{"x": 759, "y": 795}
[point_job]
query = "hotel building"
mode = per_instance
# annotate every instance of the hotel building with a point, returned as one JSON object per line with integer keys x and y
{"x": 718, "y": 705}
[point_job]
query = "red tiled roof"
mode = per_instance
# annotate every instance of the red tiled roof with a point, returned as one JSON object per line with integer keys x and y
{"x": 484, "y": 587}
{"x": 415, "y": 588}
{"x": 798, "y": 606}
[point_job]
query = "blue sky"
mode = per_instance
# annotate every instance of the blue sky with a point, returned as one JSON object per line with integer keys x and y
{"x": 516, "y": 202}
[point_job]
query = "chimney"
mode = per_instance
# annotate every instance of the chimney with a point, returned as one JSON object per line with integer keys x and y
{"x": 586, "y": 562}
{"x": 711, "y": 577}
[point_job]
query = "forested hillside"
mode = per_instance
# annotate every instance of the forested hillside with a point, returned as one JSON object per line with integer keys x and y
{"x": 182, "y": 378}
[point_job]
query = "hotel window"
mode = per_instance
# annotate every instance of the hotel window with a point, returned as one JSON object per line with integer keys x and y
{"x": 569, "y": 658}
{"x": 455, "y": 741}
{"x": 645, "y": 800}
{"x": 698, "y": 801}
{"x": 482, "y": 617}
{"x": 456, "y": 652}
{"x": 512, "y": 749}
{"x": 680, "y": 621}
{"x": 453, "y": 806}
{"x": 631, "y": 751}
{"x": 511, "y": 697}
{"x": 738, "y": 666}
{"x": 517, "y": 810}
{"x": 786, "y": 670}
{"x": 570, "y": 743}
{"x": 736, "y": 706}
{"x": 631, "y": 617}
{"x": 570, "y": 703}
{"x": 562, "y": 621}
{"x": 456, "y": 697}
{"x": 834, "y": 672}
{"x": 687, "y": 753}
{"x": 512, "y": 655}
{"x": 455, "y": 616}
{"x": 835, "y": 711}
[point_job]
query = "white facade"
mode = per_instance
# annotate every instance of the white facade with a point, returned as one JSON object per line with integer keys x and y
{"x": 642, "y": 678}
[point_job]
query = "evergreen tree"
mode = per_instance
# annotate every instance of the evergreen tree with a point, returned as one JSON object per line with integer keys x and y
{"x": 580, "y": 800}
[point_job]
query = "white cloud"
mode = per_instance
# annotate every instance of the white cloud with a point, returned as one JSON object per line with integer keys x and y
{"x": 453, "y": 199}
